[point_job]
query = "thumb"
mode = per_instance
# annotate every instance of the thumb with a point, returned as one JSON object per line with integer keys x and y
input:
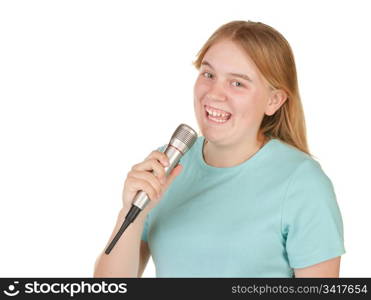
{"x": 174, "y": 173}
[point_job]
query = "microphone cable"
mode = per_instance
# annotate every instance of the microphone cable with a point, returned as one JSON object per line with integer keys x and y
{"x": 130, "y": 217}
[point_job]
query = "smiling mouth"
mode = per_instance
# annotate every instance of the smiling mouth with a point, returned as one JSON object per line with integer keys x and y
{"x": 217, "y": 120}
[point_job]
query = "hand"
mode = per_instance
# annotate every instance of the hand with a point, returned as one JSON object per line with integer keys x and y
{"x": 154, "y": 184}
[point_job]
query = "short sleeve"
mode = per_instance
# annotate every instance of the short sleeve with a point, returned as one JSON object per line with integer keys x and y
{"x": 144, "y": 236}
{"x": 311, "y": 220}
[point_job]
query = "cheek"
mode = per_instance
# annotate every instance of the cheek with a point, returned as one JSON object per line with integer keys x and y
{"x": 253, "y": 112}
{"x": 200, "y": 88}
{"x": 198, "y": 92}
{"x": 251, "y": 107}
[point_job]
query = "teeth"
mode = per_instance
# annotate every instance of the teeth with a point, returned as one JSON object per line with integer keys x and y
{"x": 217, "y": 114}
{"x": 217, "y": 120}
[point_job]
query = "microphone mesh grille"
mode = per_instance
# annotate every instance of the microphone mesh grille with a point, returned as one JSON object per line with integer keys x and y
{"x": 185, "y": 134}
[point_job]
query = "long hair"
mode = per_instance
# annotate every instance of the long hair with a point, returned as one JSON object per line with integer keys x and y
{"x": 274, "y": 58}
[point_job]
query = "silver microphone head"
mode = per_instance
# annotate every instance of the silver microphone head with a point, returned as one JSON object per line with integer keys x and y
{"x": 183, "y": 138}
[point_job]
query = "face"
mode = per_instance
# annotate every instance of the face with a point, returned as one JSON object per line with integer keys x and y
{"x": 229, "y": 81}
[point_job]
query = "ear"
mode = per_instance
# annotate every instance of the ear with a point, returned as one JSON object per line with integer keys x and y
{"x": 276, "y": 99}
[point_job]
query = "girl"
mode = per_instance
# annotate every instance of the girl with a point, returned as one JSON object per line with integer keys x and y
{"x": 251, "y": 200}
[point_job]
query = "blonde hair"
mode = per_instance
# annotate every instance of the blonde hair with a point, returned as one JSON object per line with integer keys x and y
{"x": 274, "y": 58}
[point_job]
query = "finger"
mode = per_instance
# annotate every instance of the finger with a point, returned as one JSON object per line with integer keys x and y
{"x": 160, "y": 156}
{"x": 137, "y": 184}
{"x": 150, "y": 165}
{"x": 173, "y": 174}
{"x": 148, "y": 177}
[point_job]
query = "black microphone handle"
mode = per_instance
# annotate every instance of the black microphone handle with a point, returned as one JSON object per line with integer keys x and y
{"x": 130, "y": 217}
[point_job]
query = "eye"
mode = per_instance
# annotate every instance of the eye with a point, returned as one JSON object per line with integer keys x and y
{"x": 207, "y": 74}
{"x": 239, "y": 84}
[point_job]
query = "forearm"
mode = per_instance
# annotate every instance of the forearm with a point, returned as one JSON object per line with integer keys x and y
{"x": 123, "y": 260}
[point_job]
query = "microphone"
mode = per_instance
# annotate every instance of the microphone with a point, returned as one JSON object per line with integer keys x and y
{"x": 181, "y": 141}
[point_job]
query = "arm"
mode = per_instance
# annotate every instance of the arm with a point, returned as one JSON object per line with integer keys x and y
{"x": 328, "y": 268}
{"x": 125, "y": 258}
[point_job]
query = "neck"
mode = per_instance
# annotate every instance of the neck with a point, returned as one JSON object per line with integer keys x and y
{"x": 232, "y": 155}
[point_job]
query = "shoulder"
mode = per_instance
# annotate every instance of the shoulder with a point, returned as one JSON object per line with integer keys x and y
{"x": 304, "y": 176}
{"x": 310, "y": 175}
{"x": 292, "y": 164}
{"x": 289, "y": 153}
{"x": 309, "y": 191}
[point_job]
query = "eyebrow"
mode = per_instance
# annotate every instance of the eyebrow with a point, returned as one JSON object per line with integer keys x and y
{"x": 243, "y": 76}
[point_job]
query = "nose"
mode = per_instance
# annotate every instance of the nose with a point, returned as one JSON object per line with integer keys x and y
{"x": 217, "y": 92}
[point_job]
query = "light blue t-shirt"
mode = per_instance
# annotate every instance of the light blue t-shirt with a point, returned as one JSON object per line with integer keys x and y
{"x": 274, "y": 212}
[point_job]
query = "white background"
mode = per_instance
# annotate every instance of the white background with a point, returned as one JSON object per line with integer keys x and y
{"x": 90, "y": 88}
